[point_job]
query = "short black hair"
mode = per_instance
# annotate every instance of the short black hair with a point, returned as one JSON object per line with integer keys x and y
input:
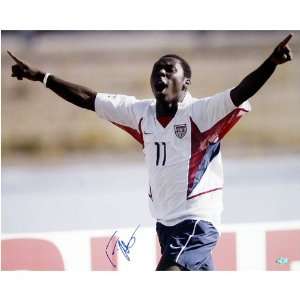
{"x": 186, "y": 67}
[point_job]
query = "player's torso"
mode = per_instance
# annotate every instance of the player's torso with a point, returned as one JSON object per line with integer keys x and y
{"x": 166, "y": 146}
{"x": 167, "y": 152}
{"x": 169, "y": 159}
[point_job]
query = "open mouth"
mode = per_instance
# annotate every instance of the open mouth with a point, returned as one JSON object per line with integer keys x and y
{"x": 160, "y": 86}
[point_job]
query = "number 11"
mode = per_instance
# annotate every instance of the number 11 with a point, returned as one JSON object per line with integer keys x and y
{"x": 158, "y": 153}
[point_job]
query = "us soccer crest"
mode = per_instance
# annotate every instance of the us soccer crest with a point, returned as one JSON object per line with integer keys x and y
{"x": 180, "y": 130}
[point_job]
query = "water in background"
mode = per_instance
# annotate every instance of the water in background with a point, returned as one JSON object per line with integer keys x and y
{"x": 109, "y": 192}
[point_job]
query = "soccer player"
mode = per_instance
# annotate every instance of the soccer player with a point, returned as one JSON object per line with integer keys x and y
{"x": 180, "y": 136}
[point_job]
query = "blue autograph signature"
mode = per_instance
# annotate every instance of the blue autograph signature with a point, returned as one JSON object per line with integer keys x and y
{"x": 124, "y": 247}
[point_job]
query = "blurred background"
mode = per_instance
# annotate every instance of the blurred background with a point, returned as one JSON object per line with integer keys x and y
{"x": 63, "y": 168}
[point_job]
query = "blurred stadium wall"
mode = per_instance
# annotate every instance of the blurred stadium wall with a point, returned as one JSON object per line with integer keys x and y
{"x": 260, "y": 246}
{"x": 35, "y": 122}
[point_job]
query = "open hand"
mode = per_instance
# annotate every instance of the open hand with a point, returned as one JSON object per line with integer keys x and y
{"x": 282, "y": 53}
{"x": 22, "y": 70}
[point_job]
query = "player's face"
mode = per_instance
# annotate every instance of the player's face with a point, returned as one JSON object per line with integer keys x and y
{"x": 168, "y": 82}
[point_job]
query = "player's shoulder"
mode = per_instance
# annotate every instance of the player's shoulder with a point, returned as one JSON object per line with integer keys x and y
{"x": 141, "y": 106}
{"x": 191, "y": 100}
{"x": 203, "y": 100}
{"x": 145, "y": 102}
{"x": 122, "y": 98}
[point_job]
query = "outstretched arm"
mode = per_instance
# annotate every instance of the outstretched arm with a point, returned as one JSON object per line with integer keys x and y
{"x": 73, "y": 93}
{"x": 255, "y": 80}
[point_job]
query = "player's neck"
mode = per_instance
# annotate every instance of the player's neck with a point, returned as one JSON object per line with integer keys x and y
{"x": 166, "y": 109}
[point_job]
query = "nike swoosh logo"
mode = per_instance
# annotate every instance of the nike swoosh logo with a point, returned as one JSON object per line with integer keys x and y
{"x": 174, "y": 247}
{"x": 147, "y": 132}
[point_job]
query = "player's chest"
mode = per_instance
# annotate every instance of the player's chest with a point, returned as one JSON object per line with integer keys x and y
{"x": 167, "y": 145}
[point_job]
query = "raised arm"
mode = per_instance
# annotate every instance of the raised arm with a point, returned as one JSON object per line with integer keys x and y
{"x": 73, "y": 93}
{"x": 255, "y": 80}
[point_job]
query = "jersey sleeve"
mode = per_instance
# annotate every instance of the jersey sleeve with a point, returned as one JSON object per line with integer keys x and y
{"x": 217, "y": 114}
{"x": 121, "y": 110}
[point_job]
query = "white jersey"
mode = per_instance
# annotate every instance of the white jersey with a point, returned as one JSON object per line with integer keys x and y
{"x": 183, "y": 159}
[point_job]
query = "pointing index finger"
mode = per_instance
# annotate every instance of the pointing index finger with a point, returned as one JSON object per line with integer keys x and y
{"x": 286, "y": 40}
{"x": 14, "y": 58}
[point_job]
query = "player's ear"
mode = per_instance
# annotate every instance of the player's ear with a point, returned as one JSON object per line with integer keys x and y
{"x": 187, "y": 82}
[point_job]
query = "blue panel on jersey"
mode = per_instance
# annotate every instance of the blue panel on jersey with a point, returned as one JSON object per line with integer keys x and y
{"x": 211, "y": 152}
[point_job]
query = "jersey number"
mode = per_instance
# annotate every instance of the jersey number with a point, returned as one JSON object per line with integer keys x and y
{"x": 158, "y": 153}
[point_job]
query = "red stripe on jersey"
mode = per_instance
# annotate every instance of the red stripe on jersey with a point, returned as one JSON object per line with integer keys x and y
{"x": 206, "y": 192}
{"x": 136, "y": 134}
{"x": 201, "y": 140}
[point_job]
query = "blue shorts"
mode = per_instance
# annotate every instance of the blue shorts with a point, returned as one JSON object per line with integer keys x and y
{"x": 188, "y": 244}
